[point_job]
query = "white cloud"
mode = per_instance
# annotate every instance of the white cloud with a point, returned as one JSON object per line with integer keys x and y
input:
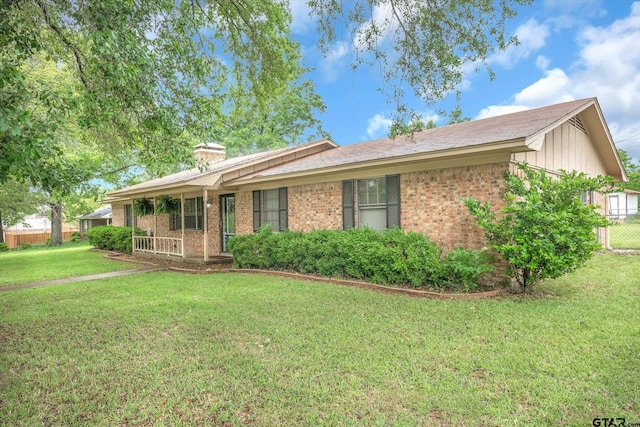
{"x": 384, "y": 21}
{"x": 610, "y": 64}
{"x": 499, "y": 110}
{"x": 333, "y": 60}
{"x": 531, "y": 36}
{"x": 608, "y": 67}
{"x": 551, "y": 89}
{"x": 302, "y": 22}
{"x": 378, "y": 126}
{"x": 542, "y": 62}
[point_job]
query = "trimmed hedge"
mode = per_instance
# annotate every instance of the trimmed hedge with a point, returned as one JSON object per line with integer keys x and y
{"x": 392, "y": 257}
{"x": 112, "y": 238}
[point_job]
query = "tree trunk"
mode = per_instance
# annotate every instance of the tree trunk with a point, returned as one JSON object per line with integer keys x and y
{"x": 1, "y": 229}
{"x": 56, "y": 224}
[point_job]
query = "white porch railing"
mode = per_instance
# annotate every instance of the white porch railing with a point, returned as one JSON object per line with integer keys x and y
{"x": 158, "y": 245}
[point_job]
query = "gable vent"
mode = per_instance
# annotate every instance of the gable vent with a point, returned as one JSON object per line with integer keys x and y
{"x": 576, "y": 121}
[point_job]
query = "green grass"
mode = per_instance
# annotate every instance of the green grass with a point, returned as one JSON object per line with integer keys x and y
{"x": 41, "y": 263}
{"x": 625, "y": 236}
{"x": 233, "y": 349}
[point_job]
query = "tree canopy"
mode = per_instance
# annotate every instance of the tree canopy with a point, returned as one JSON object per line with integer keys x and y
{"x": 633, "y": 172}
{"x": 148, "y": 79}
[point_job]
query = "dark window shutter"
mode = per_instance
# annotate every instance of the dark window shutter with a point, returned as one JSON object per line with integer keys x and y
{"x": 347, "y": 205}
{"x": 393, "y": 201}
{"x": 284, "y": 209}
{"x": 256, "y": 210}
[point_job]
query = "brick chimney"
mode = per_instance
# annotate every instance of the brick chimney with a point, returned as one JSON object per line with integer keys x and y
{"x": 209, "y": 152}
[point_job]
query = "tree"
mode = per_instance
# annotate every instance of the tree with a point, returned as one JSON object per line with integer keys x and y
{"x": 423, "y": 45}
{"x": 151, "y": 76}
{"x": 455, "y": 116}
{"x": 633, "y": 172}
{"x": 544, "y": 230}
{"x": 290, "y": 118}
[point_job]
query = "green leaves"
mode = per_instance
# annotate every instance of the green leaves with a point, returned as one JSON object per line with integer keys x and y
{"x": 544, "y": 231}
{"x": 420, "y": 45}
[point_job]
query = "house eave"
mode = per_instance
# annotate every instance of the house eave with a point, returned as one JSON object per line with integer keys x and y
{"x": 211, "y": 179}
{"x": 483, "y": 151}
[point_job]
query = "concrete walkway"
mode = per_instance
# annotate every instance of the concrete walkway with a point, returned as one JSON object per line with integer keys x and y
{"x": 82, "y": 278}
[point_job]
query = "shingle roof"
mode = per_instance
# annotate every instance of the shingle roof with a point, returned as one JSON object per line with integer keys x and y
{"x": 195, "y": 176}
{"x": 102, "y": 212}
{"x": 503, "y": 128}
{"x": 185, "y": 176}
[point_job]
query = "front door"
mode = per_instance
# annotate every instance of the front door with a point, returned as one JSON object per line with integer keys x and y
{"x": 228, "y": 222}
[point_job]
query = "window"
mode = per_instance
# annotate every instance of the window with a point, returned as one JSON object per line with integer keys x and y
{"x": 270, "y": 207}
{"x": 128, "y": 215}
{"x": 193, "y": 215}
{"x": 348, "y": 218}
{"x": 378, "y": 202}
{"x": 587, "y": 198}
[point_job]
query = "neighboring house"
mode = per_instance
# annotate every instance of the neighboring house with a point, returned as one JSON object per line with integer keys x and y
{"x": 101, "y": 216}
{"x": 36, "y": 222}
{"x": 623, "y": 204}
{"x": 417, "y": 184}
{"x": 34, "y": 229}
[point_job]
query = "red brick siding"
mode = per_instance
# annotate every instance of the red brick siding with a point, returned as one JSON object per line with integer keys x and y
{"x": 431, "y": 202}
{"x": 315, "y": 206}
{"x": 117, "y": 215}
{"x": 244, "y": 212}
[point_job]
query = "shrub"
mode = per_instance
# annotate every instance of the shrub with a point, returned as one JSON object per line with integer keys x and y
{"x": 112, "y": 238}
{"x": 391, "y": 258}
{"x": 25, "y": 246}
{"x": 4, "y": 247}
{"x": 544, "y": 230}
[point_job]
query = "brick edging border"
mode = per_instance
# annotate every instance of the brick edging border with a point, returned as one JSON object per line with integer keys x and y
{"x": 363, "y": 285}
{"x": 372, "y": 286}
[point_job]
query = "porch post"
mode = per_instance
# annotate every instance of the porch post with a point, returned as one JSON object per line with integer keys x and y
{"x": 184, "y": 255}
{"x": 206, "y": 224}
{"x": 155, "y": 226}
{"x": 133, "y": 225}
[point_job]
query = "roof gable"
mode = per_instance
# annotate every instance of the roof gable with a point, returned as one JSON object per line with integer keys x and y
{"x": 515, "y": 132}
{"x": 239, "y": 166}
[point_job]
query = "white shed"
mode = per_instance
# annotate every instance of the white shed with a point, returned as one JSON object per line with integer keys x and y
{"x": 623, "y": 204}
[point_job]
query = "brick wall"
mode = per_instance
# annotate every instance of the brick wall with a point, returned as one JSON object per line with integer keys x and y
{"x": 244, "y": 212}
{"x": 315, "y": 206}
{"x": 117, "y": 215}
{"x": 431, "y": 202}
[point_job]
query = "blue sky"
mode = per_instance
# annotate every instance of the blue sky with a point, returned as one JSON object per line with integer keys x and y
{"x": 569, "y": 49}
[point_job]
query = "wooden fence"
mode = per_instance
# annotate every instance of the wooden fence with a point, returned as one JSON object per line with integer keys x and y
{"x": 14, "y": 240}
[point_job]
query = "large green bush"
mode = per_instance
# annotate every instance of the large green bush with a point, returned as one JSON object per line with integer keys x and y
{"x": 112, "y": 238}
{"x": 544, "y": 230}
{"x": 392, "y": 257}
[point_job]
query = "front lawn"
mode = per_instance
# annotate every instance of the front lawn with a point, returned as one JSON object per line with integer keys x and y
{"x": 625, "y": 236}
{"x": 68, "y": 260}
{"x": 233, "y": 349}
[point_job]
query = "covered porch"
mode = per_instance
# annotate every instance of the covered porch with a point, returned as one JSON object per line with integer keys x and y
{"x": 197, "y": 229}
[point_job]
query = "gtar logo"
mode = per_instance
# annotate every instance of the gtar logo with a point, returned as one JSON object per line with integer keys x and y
{"x": 609, "y": 422}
